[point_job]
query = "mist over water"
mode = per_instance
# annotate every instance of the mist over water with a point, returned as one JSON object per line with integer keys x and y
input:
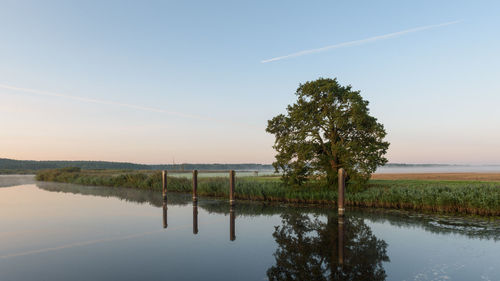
{"x": 439, "y": 169}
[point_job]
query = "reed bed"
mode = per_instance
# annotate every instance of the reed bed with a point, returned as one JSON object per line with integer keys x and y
{"x": 467, "y": 197}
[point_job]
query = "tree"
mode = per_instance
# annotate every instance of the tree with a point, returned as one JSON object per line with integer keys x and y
{"x": 308, "y": 249}
{"x": 329, "y": 127}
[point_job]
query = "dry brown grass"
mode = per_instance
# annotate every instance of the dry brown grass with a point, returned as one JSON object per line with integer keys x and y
{"x": 440, "y": 176}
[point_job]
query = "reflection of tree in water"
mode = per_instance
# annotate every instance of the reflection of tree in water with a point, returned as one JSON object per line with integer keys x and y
{"x": 308, "y": 249}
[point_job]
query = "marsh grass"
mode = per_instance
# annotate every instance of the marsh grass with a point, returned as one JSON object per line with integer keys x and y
{"x": 470, "y": 197}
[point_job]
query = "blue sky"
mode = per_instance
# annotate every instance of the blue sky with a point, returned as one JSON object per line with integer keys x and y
{"x": 184, "y": 80}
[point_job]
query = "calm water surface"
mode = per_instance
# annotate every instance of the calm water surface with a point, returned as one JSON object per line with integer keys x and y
{"x": 51, "y": 231}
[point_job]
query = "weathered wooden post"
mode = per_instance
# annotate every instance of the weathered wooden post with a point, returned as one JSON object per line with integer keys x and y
{"x": 164, "y": 183}
{"x": 232, "y": 218}
{"x": 195, "y": 218}
{"x": 340, "y": 197}
{"x": 195, "y": 185}
{"x": 231, "y": 187}
{"x": 165, "y": 208}
{"x": 341, "y": 239}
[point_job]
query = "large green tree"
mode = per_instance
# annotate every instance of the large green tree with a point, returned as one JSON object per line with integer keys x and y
{"x": 327, "y": 128}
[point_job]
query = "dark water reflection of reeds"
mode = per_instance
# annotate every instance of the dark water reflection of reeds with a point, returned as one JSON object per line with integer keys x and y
{"x": 485, "y": 228}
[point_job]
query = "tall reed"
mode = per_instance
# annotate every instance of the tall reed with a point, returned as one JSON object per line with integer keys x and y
{"x": 481, "y": 198}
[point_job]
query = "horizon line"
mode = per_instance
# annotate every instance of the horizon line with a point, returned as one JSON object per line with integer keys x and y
{"x": 240, "y": 163}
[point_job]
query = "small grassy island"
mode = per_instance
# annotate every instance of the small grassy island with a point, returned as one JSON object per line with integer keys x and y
{"x": 465, "y": 197}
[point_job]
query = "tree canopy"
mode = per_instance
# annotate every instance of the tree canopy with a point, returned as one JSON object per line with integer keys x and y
{"x": 327, "y": 128}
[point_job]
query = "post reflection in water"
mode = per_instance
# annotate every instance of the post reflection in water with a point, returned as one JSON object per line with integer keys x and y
{"x": 338, "y": 249}
{"x": 232, "y": 218}
{"x": 165, "y": 208}
{"x": 341, "y": 240}
{"x": 195, "y": 218}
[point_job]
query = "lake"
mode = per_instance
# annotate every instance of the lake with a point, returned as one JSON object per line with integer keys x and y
{"x": 54, "y": 231}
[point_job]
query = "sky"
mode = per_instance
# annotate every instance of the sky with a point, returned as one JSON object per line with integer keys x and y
{"x": 196, "y": 81}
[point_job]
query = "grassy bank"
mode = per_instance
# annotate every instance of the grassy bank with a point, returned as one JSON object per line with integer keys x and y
{"x": 470, "y": 197}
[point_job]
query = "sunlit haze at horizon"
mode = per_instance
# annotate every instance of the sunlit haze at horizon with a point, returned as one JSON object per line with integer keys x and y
{"x": 162, "y": 82}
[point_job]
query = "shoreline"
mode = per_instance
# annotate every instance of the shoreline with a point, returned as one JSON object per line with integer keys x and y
{"x": 438, "y": 196}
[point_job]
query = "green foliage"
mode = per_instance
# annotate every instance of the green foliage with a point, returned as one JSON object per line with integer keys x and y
{"x": 70, "y": 169}
{"x": 329, "y": 127}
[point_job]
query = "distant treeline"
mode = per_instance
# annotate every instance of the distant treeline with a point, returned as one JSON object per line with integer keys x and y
{"x": 7, "y": 165}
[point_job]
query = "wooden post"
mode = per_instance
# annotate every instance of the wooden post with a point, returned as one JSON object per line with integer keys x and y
{"x": 195, "y": 218}
{"x": 165, "y": 208}
{"x": 164, "y": 183}
{"x": 195, "y": 185}
{"x": 340, "y": 197}
{"x": 341, "y": 240}
{"x": 232, "y": 218}
{"x": 231, "y": 187}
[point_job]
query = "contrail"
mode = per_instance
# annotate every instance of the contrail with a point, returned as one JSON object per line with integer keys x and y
{"x": 359, "y": 42}
{"x": 127, "y": 105}
{"x": 77, "y": 244}
{"x": 91, "y": 242}
{"x": 98, "y": 101}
